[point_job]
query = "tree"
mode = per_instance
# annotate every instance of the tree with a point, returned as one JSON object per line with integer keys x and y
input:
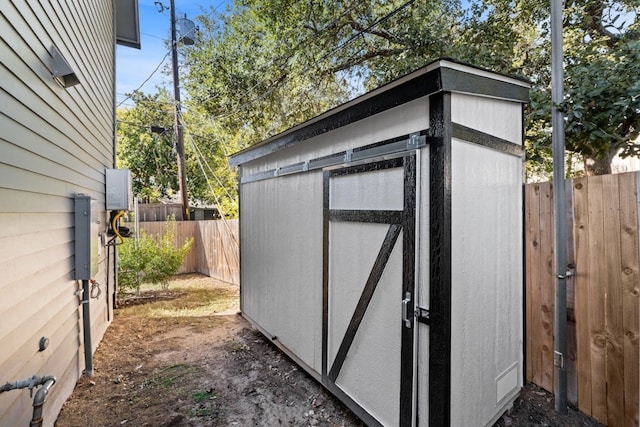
{"x": 603, "y": 103}
{"x": 209, "y": 175}
{"x": 271, "y": 64}
{"x": 146, "y": 147}
{"x": 250, "y": 76}
{"x": 148, "y": 154}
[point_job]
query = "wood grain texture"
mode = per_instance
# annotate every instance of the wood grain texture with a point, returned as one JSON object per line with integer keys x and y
{"x": 613, "y": 332}
{"x": 596, "y": 295}
{"x": 215, "y": 247}
{"x": 532, "y": 254}
{"x": 547, "y": 284}
{"x": 583, "y": 345}
{"x": 571, "y": 356}
{"x": 603, "y": 294}
{"x": 630, "y": 279}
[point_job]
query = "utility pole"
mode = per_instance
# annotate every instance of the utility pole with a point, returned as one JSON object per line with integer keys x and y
{"x": 560, "y": 210}
{"x": 178, "y": 131}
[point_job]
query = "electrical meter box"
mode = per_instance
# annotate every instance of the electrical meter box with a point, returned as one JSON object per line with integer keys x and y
{"x": 119, "y": 195}
{"x": 86, "y": 244}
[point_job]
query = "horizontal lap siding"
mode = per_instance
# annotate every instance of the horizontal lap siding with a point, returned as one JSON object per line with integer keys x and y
{"x": 54, "y": 143}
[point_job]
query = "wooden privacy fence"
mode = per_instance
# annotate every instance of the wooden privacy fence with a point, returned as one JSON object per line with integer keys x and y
{"x": 602, "y": 295}
{"x": 215, "y": 246}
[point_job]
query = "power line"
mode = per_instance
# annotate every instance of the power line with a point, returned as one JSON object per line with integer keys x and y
{"x": 200, "y": 160}
{"x": 200, "y": 155}
{"x": 290, "y": 53}
{"x": 287, "y": 55}
{"x": 154, "y": 36}
{"x": 147, "y": 79}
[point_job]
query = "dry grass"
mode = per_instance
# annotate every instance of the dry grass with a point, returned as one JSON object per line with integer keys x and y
{"x": 188, "y": 295}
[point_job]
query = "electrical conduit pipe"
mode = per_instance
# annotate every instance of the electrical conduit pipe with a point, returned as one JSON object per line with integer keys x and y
{"x": 86, "y": 328}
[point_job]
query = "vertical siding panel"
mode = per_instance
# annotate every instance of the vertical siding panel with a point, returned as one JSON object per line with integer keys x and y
{"x": 630, "y": 265}
{"x": 583, "y": 335}
{"x": 613, "y": 333}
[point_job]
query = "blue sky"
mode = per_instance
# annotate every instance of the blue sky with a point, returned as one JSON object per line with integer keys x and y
{"x": 133, "y": 66}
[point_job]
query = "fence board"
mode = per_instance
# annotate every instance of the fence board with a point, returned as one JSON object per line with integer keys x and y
{"x": 571, "y": 356}
{"x": 532, "y": 248}
{"x": 606, "y": 287}
{"x": 540, "y": 284}
{"x": 613, "y": 301}
{"x": 215, "y": 247}
{"x": 630, "y": 264}
{"x": 547, "y": 284}
{"x": 220, "y": 250}
{"x": 581, "y": 274}
{"x": 596, "y": 295}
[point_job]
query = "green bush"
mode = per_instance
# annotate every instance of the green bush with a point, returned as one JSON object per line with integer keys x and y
{"x": 150, "y": 261}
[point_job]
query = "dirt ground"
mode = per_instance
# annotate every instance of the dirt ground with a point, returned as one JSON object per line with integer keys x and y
{"x": 184, "y": 357}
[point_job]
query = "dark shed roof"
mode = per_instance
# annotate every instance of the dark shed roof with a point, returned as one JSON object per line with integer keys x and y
{"x": 443, "y": 75}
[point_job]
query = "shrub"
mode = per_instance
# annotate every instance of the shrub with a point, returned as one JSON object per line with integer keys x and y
{"x": 150, "y": 261}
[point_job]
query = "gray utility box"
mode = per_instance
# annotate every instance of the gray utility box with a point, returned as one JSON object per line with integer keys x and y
{"x": 86, "y": 239}
{"x": 119, "y": 195}
{"x": 381, "y": 246}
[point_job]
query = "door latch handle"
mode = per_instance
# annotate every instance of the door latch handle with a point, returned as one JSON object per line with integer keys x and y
{"x": 406, "y": 316}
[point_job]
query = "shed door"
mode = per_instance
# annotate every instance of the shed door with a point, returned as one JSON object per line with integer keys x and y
{"x": 369, "y": 229}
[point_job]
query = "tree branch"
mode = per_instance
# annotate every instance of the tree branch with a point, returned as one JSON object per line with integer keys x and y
{"x": 357, "y": 60}
{"x": 357, "y": 26}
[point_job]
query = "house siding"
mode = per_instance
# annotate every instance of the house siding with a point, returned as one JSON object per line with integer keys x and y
{"x": 54, "y": 143}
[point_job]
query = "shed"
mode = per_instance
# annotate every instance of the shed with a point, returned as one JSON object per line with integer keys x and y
{"x": 381, "y": 246}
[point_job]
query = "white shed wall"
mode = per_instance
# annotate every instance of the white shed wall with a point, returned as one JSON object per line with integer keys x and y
{"x": 402, "y": 120}
{"x": 371, "y": 372}
{"x": 281, "y": 227}
{"x": 281, "y": 275}
{"x": 493, "y": 116}
{"x": 487, "y": 310}
{"x": 55, "y": 142}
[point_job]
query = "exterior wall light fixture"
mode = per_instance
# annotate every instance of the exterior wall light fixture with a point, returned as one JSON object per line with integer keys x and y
{"x": 61, "y": 70}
